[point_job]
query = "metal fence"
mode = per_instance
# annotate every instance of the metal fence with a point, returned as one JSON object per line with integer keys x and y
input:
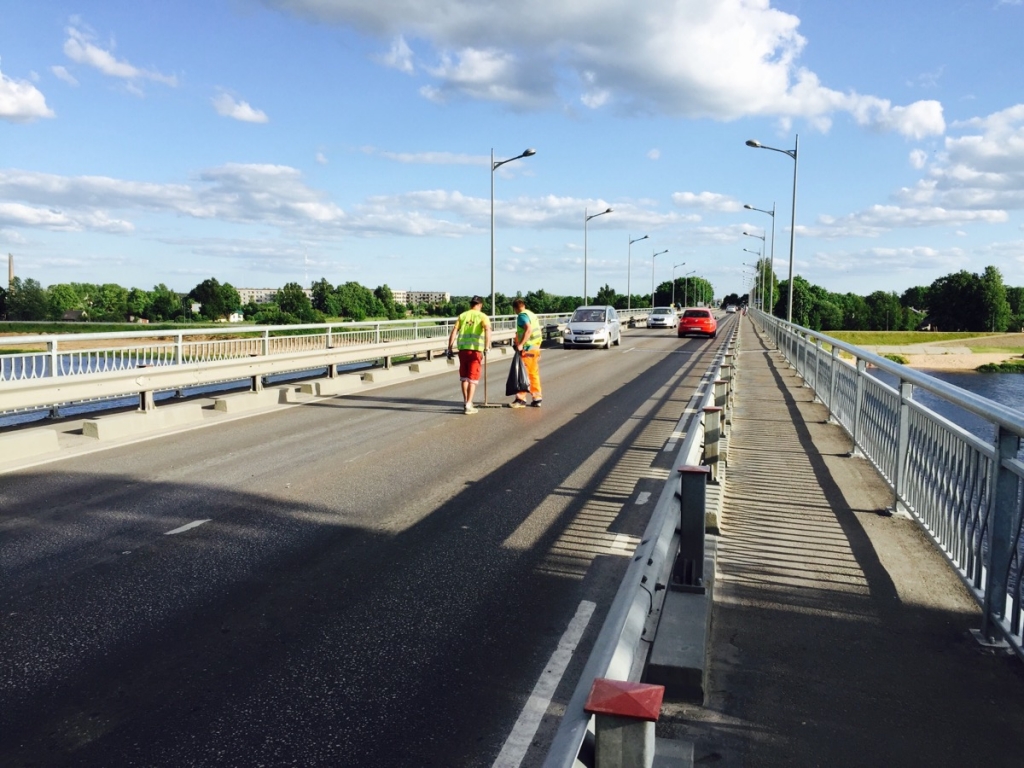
{"x": 967, "y": 492}
{"x": 290, "y": 349}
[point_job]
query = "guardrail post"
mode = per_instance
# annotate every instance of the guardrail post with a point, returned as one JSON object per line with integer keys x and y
{"x": 179, "y": 348}
{"x": 265, "y": 343}
{"x": 902, "y": 443}
{"x": 858, "y": 408}
{"x": 832, "y": 377}
{"x": 376, "y": 333}
{"x": 1005, "y": 528}
{"x": 51, "y": 347}
{"x": 624, "y": 717}
{"x": 688, "y": 569}
{"x": 712, "y": 439}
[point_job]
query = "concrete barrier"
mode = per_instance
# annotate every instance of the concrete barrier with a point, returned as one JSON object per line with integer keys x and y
{"x": 251, "y": 401}
{"x": 340, "y": 385}
{"x": 29, "y": 442}
{"x": 121, "y": 425}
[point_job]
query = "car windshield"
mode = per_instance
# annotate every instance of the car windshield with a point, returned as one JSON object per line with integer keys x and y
{"x": 588, "y": 316}
{"x": 662, "y": 311}
{"x": 703, "y": 313}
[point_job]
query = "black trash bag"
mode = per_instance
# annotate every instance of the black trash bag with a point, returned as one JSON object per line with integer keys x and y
{"x": 518, "y": 380}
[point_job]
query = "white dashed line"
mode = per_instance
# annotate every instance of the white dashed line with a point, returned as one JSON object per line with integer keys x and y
{"x": 190, "y": 526}
{"x": 643, "y": 497}
{"x": 518, "y": 742}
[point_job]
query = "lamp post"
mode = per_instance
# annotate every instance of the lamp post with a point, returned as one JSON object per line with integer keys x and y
{"x": 760, "y": 263}
{"x": 587, "y": 218}
{"x": 793, "y": 153}
{"x": 771, "y": 270}
{"x": 760, "y": 296}
{"x": 674, "y": 267}
{"x": 686, "y": 287}
{"x": 629, "y": 271}
{"x": 652, "y": 274}
{"x": 495, "y": 165}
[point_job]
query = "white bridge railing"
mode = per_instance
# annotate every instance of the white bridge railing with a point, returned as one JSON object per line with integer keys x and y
{"x": 87, "y": 367}
{"x": 966, "y": 491}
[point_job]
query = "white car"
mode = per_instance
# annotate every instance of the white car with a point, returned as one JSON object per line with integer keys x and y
{"x": 731, "y": 309}
{"x": 596, "y": 326}
{"x": 662, "y": 317}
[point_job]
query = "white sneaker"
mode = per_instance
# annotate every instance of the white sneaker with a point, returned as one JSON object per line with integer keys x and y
{"x": 471, "y": 409}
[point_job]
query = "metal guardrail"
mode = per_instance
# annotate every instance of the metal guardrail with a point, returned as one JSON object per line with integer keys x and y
{"x": 122, "y": 364}
{"x": 966, "y": 492}
{"x": 618, "y": 652}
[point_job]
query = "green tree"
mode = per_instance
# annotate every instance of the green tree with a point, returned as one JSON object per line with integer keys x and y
{"x": 606, "y": 295}
{"x": 3, "y": 302}
{"x": 994, "y": 306}
{"x": 139, "y": 302}
{"x": 216, "y": 301}
{"x": 954, "y": 301}
{"x": 292, "y": 300}
{"x": 164, "y": 304}
{"x": 324, "y": 298}
{"x": 26, "y": 300}
{"x": 1015, "y": 298}
{"x": 916, "y": 297}
{"x": 61, "y": 298}
{"x": 110, "y": 303}
{"x": 355, "y": 301}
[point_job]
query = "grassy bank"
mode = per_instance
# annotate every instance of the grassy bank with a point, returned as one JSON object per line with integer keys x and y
{"x": 903, "y": 338}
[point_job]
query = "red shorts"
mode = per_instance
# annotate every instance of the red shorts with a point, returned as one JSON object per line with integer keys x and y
{"x": 469, "y": 365}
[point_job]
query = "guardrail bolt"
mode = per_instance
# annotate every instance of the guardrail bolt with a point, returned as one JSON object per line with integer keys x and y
{"x": 625, "y": 714}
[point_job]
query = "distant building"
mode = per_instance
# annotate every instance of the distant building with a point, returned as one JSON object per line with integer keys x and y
{"x": 265, "y": 295}
{"x": 421, "y": 297}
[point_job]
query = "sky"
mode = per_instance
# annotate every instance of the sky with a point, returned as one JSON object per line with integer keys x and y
{"x": 263, "y": 142}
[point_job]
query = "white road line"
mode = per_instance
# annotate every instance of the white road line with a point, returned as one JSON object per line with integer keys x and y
{"x": 518, "y": 742}
{"x": 669, "y": 447}
{"x": 620, "y": 542}
{"x": 643, "y": 497}
{"x": 190, "y": 526}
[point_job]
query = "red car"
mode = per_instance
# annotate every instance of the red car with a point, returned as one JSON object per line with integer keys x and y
{"x": 698, "y": 321}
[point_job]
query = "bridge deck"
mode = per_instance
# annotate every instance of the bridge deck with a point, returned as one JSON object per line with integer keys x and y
{"x": 840, "y": 635}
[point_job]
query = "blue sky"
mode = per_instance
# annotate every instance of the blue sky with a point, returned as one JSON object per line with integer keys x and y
{"x": 270, "y": 141}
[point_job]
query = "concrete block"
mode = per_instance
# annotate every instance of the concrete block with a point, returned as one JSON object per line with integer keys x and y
{"x": 437, "y": 365}
{"x": 386, "y": 375}
{"x": 29, "y": 442}
{"x": 670, "y": 753}
{"x": 251, "y": 401}
{"x": 338, "y": 386}
{"x": 121, "y": 425}
{"x": 678, "y": 657}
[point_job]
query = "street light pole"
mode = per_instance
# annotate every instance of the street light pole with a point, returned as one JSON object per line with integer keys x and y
{"x": 652, "y": 274}
{"x": 793, "y": 153}
{"x": 757, "y": 280}
{"x": 686, "y": 287}
{"x": 629, "y": 270}
{"x": 587, "y": 218}
{"x": 771, "y": 270}
{"x": 760, "y": 264}
{"x": 494, "y": 167}
{"x": 674, "y": 266}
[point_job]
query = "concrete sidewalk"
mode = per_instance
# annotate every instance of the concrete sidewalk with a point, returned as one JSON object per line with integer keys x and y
{"x": 840, "y": 636}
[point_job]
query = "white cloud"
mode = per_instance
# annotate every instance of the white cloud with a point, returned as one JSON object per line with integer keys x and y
{"x": 80, "y": 48}
{"x": 878, "y": 219}
{"x": 892, "y": 260}
{"x": 709, "y": 201}
{"x": 654, "y": 154}
{"x": 61, "y": 73}
{"x": 321, "y": 158}
{"x": 226, "y": 106}
{"x": 429, "y": 158}
{"x": 20, "y": 101}
{"x": 399, "y": 57}
{"x": 719, "y": 59}
{"x": 918, "y": 158}
{"x": 18, "y": 214}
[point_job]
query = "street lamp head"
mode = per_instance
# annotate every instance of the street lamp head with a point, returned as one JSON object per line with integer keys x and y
{"x": 529, "y": 152}
{"x": 753, "y": 143}
{"x": 609, "y": 210}
{"x": 748, "y": 207}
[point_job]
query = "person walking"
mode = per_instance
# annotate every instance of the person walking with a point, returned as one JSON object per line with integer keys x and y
{"x": 528, "y": 340}
{"x": 472, "y": 333}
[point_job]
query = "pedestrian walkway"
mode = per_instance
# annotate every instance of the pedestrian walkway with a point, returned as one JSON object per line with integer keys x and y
{"x": 840, "y": 636}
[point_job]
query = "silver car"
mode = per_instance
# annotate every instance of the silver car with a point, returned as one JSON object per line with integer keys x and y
{"x": 596, "y": 326}
{"x": 662, "y": 317}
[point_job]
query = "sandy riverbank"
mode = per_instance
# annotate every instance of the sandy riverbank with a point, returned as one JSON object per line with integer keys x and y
{"x": 955, "y": 362}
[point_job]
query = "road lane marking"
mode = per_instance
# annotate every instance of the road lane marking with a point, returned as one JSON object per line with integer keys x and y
{"x": 643, "y": 497}
{"x": 518, "y": 742}
{"x": 190, "y": 526}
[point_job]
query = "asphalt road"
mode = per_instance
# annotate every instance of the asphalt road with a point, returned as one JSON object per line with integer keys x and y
{"x": 380, "y": 580}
